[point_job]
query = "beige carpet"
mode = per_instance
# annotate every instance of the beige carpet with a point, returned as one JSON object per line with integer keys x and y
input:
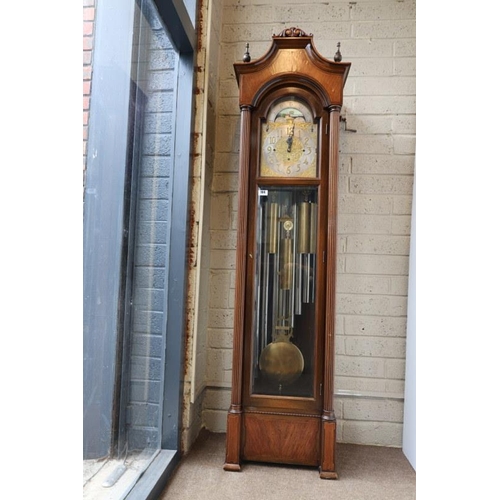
{"x": 365, "y": 473}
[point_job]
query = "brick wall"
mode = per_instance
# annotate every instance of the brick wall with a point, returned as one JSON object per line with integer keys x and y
{"x": 375, "y": 191}
{"x": 206, "y": 97}
{"x": 154, "y": 71}
{"x": 89, "y": 7}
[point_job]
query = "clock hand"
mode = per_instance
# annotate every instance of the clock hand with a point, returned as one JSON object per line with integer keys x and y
{"x": 289, "y": 141}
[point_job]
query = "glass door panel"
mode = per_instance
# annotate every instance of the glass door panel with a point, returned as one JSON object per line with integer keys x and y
{"x": 154, "y": 74}
{"x": 285, "y": 284}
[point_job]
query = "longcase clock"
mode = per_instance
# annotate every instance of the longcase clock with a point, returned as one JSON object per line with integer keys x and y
{"x": 283, "y": 354}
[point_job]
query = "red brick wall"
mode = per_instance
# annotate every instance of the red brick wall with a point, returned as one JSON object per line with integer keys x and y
{"x": 89, "y": 7}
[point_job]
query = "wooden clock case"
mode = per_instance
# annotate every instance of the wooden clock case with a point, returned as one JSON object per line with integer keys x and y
{"x": 287, "y": 429}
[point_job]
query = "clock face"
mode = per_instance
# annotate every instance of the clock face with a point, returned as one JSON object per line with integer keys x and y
{"x": 289, "y": 141}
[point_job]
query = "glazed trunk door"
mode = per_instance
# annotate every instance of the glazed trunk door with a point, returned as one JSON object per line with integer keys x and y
{"x": 284, "y": 319}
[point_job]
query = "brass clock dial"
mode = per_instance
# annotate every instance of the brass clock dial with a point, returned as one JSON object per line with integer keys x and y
{"x": 289, "y": 139}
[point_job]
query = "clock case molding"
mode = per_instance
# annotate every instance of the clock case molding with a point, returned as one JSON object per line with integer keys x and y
{"x": 290, "y": 431}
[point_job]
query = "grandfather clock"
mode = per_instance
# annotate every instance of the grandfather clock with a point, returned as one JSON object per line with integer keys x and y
{"x": 283, "y": 354}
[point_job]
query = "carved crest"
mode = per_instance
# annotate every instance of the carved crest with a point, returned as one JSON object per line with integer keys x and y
{"x": 293, "y": 32}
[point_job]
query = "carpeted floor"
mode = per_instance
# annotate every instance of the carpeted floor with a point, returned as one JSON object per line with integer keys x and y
{"x": 365, "y": 473}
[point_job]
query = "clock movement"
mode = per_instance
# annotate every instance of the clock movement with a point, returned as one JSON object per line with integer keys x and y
{"x": 283, "y": 341}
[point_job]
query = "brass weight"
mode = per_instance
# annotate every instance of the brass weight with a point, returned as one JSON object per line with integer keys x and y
{"x": 273, "y": 228}
{"x": 304, "y": 227}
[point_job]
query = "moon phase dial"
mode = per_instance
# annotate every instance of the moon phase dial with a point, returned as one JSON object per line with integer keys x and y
{"x": 289, "y": 142}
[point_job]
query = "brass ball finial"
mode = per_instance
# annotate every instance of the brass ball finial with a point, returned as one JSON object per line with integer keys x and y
{"x": 338, "y": 55}
{"x": 246, "y": 55}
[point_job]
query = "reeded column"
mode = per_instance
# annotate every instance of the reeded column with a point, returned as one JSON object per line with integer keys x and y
{"x": 329, "y": 427}
{"x": 233, "y": 443}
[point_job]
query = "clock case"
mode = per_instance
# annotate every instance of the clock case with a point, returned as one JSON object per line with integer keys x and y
{"x": 282, "y": 428}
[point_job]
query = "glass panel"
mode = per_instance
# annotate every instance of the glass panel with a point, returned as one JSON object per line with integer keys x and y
{"x": 136, "y": 99}
{"x": 191, "y": 9}
{"x": 284, "y": 323}
{"x": 289, "y": 141}
{"x": 154, "y": 73}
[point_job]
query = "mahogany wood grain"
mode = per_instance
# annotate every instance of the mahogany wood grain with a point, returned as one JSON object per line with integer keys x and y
{"x": 328, "y": 449}
{"x": 331, "y": 265}
{"x": 328, "y": 434}
{"x": 233, "y": 442}
{"x": 286, "y": 439}
{"x": 292, "y": 430}
{"x": 295, "y": 56}
{"x": 234, "y": 416}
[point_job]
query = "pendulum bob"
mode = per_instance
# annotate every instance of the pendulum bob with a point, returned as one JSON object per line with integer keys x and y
{"x": 272, "y": 240}
{"x": 281, "y": 362}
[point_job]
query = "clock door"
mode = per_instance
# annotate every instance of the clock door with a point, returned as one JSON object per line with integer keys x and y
{"x": 285, "y": 306}
{"x": 284, "y": 323}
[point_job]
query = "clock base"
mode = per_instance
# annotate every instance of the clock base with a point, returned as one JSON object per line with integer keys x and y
{"x": 281, "y": 438}
{"x": 328, "y": 475}
{"x": 232, "y": 467}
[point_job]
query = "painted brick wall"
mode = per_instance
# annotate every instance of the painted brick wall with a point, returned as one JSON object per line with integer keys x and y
{"x": 195, "y": 337}
{"x": 375, "y": 191}
{"x": 206, "y": 98}
{"x": 154, "y": 71}
{"x": 89, "y": 7}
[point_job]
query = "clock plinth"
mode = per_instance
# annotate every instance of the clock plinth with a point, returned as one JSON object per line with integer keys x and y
{"x": 283, "y": 341}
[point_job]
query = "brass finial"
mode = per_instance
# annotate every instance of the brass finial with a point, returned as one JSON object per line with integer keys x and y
{"x": 338, "y": 55}
{"x": 246, "y": 55}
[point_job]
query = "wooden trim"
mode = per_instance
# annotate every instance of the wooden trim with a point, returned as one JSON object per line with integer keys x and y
{"x": 239, "y": 308}
{"x": 331, "y": 264}
{"x": 233, "y": 443}
{"x": 280, "y": 43}
{"x": 327, "y": 468}
{"x": 234, "y": 417}
{"x": 291, "y": 60}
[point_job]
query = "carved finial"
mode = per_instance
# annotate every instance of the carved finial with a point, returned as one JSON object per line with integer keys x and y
{"x": 338, "y": 56}
{"x": 246, "y": 55}
{"x": 293, "y": 32}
